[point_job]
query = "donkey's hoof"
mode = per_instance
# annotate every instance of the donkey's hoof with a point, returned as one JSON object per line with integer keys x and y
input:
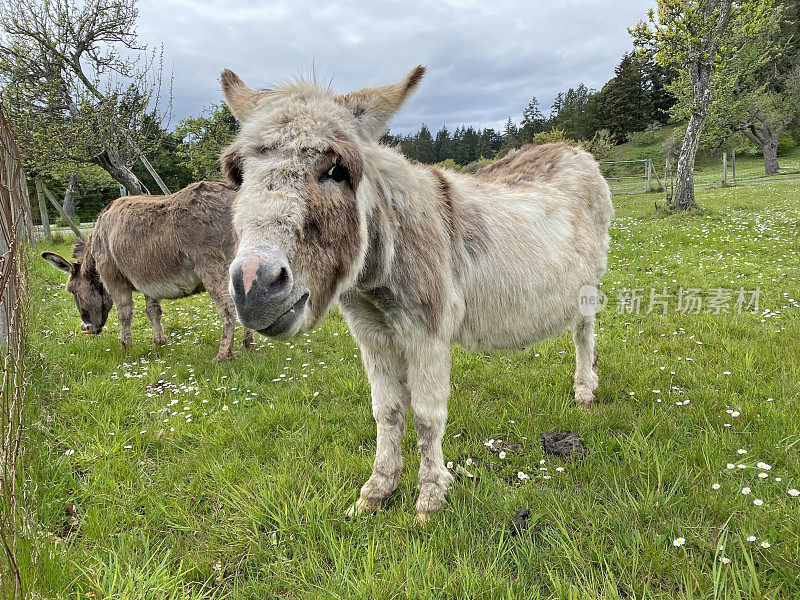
{"x": 160, "y": 341}
{"x": 422, "y": 518}
{"x": 223, "y": 357}
{"x": 584, "y": 396}
{"x": 431, "y": 499}
{"x": 362, "y": 505}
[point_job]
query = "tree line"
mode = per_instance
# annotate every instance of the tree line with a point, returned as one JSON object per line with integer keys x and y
{"x": 87, "y": 100}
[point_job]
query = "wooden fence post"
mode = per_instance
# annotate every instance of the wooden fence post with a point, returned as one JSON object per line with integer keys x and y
{"x": 724, "y": 168}
{"x": 43, "y": 211}
{"x": 649, "y": 168}
{"x": 61, "y": 212}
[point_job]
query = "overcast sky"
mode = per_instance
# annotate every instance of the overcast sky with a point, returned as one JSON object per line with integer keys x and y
{"x": 485, "y": 58}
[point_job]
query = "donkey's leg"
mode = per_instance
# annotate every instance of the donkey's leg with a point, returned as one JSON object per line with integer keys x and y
{"x": 123, "y": 300}
{"x": 390, "y": 400}
{"x": 248, "y": 343}
{"x": 152, "y": 309}
{"x": 429, "y": 383}
{"x": 217, "y": 288}
{"x": 585, "y": 361}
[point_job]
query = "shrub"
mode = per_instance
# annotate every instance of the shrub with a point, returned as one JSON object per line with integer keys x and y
{"x": 786, "y": 143}
{"x": 476, "y": 164}
{"x": 449, "y": 163}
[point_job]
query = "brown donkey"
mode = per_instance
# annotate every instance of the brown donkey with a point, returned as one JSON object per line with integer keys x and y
{"x": 418, "y": 257}
{"x": 163, "y": 246}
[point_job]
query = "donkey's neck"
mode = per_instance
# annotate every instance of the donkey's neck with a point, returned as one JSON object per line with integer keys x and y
{"x": 395, "y": 191}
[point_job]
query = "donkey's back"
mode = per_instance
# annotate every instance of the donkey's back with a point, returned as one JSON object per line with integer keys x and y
{"x": 156, "y": 243}
{"x": 546, "y": 213}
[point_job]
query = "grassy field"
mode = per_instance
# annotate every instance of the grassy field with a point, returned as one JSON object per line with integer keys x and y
{"x": 154, "y": 473}
{"x": 708, "y": 168}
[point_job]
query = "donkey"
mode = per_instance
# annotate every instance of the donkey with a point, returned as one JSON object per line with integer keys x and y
{"x": 163, "y": 246}
{"x": 417, "y": 257}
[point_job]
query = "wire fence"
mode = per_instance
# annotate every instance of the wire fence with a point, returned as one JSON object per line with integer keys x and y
{"x": 15, "y": 234}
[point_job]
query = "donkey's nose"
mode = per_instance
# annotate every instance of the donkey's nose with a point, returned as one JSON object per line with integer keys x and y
{"x": 260, "y": 285}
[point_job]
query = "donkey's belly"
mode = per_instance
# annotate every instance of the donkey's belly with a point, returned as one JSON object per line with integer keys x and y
{"x": 184, "y": 284}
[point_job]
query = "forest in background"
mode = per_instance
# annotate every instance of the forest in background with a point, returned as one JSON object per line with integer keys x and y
{"x": 642, "y": 96}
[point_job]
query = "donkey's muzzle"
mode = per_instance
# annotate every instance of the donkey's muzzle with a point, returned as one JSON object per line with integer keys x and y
{"x": 264, "y": 292}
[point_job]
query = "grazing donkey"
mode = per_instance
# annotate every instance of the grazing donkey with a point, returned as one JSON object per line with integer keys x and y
{"x": 417, "y": 257}
{"x": 163, "y": 246}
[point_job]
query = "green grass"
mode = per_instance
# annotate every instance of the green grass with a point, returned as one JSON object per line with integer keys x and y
{"x": 245, "y": 498}
{"x": 708, "y": 167}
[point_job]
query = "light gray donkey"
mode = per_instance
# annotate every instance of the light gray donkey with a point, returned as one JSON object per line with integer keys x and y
{"x": 417, "y": 257}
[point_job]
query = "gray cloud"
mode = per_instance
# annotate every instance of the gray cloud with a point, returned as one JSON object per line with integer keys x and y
{"x": 485, "y": 59}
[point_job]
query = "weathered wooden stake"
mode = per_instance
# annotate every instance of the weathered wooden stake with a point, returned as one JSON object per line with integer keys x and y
{"x": 43, "y": 210}
{"x": 61, "y": 212}
{"x": 724, "y": 168}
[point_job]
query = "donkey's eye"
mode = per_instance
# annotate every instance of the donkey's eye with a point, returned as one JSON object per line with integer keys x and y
{"x": 337, "y": 173}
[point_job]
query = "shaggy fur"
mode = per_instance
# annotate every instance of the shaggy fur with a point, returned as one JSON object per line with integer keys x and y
{"x": 418, "y": 257}
{"x": 163, "y": 246}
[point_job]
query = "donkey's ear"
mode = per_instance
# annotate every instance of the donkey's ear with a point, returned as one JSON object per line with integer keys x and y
{"x": 230, "y": 162}
{"x": 59, "y": 262}
{"x": 374, "y": 106}
{"x": 239, "y": 98}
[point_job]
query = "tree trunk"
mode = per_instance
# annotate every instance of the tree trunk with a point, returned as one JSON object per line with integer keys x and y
{"x": 684, "y": 185}
{"x": 771, "y": 157}
{"x": 110, "y": 162}
{"x": 700, "y": 74}
{"x": 69, "y": 197}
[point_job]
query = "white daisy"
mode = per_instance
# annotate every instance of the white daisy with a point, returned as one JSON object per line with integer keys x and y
{"x": 715, "y": 486}
{"x": 758, "y": 502}
{"x": 745, "y": 490}
{"x": 678, "y": 542}
{"x": 765, "y": 544}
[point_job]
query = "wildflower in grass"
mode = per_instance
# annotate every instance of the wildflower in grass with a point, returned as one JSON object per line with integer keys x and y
{"x": 765, "y": 544}
{"x": 225, "y": 407}
{"x": 763, "y": 475}
{"x": 742, "y": 466}
{"x": 523, "y": 476}
{"x": 742, "y": 451}
{"x": 715, "y": 486}
{"x": 764, "y": 466}
{"x": 560, "y": 469}
{"x": 751, "y": 538}
{"x": 725, "y": 560}
{"x": 731, "y": 466}
{"x": 745, "y": 490}
{"x": 794, "y": 493}
{"x": 502, "y": 455}
{"x": 735, "y": 413}
{"x": 678, "y": 542}
{"x": 450, "y": 464}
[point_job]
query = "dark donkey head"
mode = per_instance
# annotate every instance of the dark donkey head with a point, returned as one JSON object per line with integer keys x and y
{"x": 302, "y": 161}
{"x": 92, "y": 299}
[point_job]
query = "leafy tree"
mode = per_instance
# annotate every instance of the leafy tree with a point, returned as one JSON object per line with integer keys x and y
{"x": 688, "y": 35}
{"x": 442, "y": 145}
{"x": 533, "y": 121}
{"x": 625, "y": 100}
{"x": 424, "y": 149}
{"x": 78, "y": 86}
{"x": 201, "y": 139}
{"x": 758, "y": 83}
{"x": 572, "y": 112}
